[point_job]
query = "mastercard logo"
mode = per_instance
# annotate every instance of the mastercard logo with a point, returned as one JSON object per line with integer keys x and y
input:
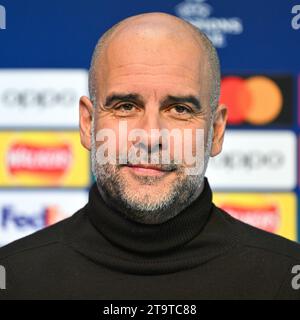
{"x": 257, "y": 100}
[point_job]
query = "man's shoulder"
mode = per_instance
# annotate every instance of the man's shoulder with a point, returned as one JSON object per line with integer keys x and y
{"x": 263, "y": 255}
{"x": 260, "y": 241}
{"x": 51, "y": 236}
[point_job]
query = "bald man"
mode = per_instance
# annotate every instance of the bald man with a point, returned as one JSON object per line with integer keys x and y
{"x": 150, "y": 229}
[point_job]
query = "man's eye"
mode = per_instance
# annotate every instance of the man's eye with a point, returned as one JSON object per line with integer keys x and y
{"x": 125, "y": 107}
{"x": 180, "y": 109}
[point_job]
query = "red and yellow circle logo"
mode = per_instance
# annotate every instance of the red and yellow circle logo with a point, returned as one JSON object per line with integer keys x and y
{"x": 257, "y": 100}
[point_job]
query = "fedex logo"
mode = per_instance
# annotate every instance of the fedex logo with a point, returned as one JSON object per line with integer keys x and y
{"x": 10, "y": 217}
{"x": 25, "y": 212}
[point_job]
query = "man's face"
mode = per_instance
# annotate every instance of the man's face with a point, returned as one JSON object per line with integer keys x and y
{"x": 151, "y": 82}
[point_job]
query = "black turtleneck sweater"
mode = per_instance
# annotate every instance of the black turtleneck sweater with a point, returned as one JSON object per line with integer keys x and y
{"x": 202, "y": 253}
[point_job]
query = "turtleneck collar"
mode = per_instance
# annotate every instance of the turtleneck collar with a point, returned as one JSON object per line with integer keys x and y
{"x": 199, "y": 233}
{"x": 144, "y": 238}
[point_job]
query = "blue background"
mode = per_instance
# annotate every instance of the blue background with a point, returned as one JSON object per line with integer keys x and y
{"x": 62, "y": 34}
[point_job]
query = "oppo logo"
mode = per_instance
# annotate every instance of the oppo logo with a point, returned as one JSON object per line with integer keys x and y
{"x": 252, "y": 160}
{"x": 40, "y": 98}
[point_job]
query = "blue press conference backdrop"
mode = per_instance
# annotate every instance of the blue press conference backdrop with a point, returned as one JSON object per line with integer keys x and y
{"x": 258, "y": 46}
{"x": 63, "y": 33}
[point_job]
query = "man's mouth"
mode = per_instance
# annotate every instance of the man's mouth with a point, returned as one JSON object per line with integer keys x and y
{"x": 148, "y": 169}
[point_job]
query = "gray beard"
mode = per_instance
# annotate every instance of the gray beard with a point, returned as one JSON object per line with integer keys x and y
{"x": 139, "y": 208}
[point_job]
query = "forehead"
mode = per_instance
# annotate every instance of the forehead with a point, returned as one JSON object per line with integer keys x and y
{"x": 148, "y": 58}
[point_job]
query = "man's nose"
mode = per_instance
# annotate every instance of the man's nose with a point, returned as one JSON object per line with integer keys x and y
{"x": 151, "y": 124}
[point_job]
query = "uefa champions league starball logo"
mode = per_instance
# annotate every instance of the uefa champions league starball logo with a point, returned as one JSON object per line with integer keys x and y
{"x": 200, "y": 14}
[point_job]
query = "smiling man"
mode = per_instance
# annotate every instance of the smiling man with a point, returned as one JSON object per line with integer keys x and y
{"x": 150, "y": 229}
{"x": 154, "y": 72}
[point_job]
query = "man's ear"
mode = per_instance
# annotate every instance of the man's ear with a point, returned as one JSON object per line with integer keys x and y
{"x": 219, "y": 125}
{"x": 85, "y": 121}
